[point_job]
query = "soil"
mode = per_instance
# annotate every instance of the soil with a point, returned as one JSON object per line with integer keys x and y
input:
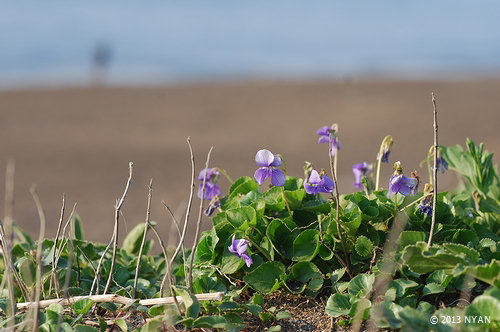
{"x": 79, "y": 141}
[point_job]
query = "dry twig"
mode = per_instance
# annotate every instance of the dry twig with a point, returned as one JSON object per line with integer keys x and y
{"x": 39, "y": 250}
{"x": 53, "y": 280}
{"x": 198, "y": 224}
{"x": 115, "y": 232}
{"x": 147, "y": 225}
{"x": 434, "y": 174}
{"x": 120, "y": 299}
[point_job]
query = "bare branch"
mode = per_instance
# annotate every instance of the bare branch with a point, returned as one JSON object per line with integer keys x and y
{"x": 120, "y": 299}
{"x": 53, "y": 280}
{"x": 115, "y": 232}
{"x": 434, "y": 174}
{"x": 147, "y": 224}
{"x": 188, "y": 209}
{"x": 6, "y": 239}
{"x": 39, "y": 250}
{"x": 198, "y": 224}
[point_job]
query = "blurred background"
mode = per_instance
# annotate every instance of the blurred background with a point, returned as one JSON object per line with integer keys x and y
{"x": 86, "y": 87}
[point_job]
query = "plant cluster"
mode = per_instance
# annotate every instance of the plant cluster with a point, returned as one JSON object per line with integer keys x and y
{"x": 369, "y": 253}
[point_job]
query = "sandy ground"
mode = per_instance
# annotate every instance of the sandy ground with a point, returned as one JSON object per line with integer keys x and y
{"x": 79, "y": 141}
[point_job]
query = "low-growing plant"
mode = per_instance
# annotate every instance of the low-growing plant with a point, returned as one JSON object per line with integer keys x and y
{"x": 393, "y": 258}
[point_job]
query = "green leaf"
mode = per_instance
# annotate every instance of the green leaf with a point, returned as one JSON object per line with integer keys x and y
{"x": 295, "y": 197}
{"x": 229, "y": 305}
{"x": 411, "y": 237}
{"x": 402, "y": 286}
{"x": 364, "y": 247}
{"x": 242, "y": 186}
{"x": 85, "y": 328}
{"x": 281, "y": 238}
{"x": 190, "y": 302}
{"x": 265, "y": 278}
{"x": 337, "y": 274}
{"x": 120, "y": 322}
{"x": 257, "y": 299}
{"x": 283, "y": 315}
{"x": 242, "y": 217}
{"x": 485, "y": 306}
{"x": 464, "y": 236}
{"x": 216, "y": 322}
{"x": 267, "y": 247}
{"x": 265, "y": 316}
{"x": 414, "y": 320}
{"x": 338, "y": 305}
{"x": 132, "y": 242}
{"x": 432, "y": 288}
{"x": 360, "y": 309}
{"x": 82, "y": 306}
{"x": 361, "y": 284}
{"x": 77, "y": 227}
{"x": 253, "y": 308}
{"x": 489, "y": 273}
{"x": 153, "y": 325}
{"x": 273, "y": 199}
{"x": 27, "y": 269}
{"x": 204, "y": 251}
{"x": 421, "y": 260}
{"x": 306, "y": 245}
{"x": 462, "y": 251}
{"x": 307, "y": 275}
{"x": 56, "y": 307}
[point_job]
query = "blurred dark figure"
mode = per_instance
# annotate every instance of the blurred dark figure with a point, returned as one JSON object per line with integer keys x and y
{"x": 101, "y": 58}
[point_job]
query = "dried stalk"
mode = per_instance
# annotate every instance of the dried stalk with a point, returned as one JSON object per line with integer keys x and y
{"x": 53, "y": 280}
{"x": 120, "y": 299}
{"x": 147, "y": 225}
{"x": 96, "y": 280}
{"x": 39, "y": 250}
{"x": 434, "y": 175}
{"x": 115, "y": 232}
{"x": 168, "y": 273}
{"x": 6, "y": 239}
{"x": 337, "y": 216}
{"x": 63, "y": 243}
{"x": 198, "y": 224}
{"x": 67, "y": 277}
{"x": 190, "y": 202}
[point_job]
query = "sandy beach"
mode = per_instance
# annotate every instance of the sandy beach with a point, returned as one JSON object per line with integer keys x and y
{"x": 79, "y": 141}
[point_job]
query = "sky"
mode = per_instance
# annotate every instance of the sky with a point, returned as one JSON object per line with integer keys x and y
{"x": 171, "y": 41}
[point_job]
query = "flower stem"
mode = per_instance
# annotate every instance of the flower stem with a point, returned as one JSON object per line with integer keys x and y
{"x": 258, "y": 248}
{"x": 337, "y": 202}
{"x": 429, "y": 169}
{"x": 286, "y": 201}
{"x": 379, "y": 160}
{"x": 223, "y": 172}
{"x": 416, "y": 201}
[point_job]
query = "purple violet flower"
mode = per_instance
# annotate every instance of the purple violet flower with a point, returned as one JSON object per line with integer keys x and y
{"x": 360, "y": 170}
{"x": 212, "y": 206}
{"x": 239, "y": 248}
{"x": 400, "y": 183}
{"x": 268, "y": 163}
{"x": 211, "y": 188}
{"x": 425, "y": 209}
{"x": 317, "y": 183}
{"x": 386, "y": 149}
{"x": 441, "y": 164}
{"x": 327, "y": 135}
